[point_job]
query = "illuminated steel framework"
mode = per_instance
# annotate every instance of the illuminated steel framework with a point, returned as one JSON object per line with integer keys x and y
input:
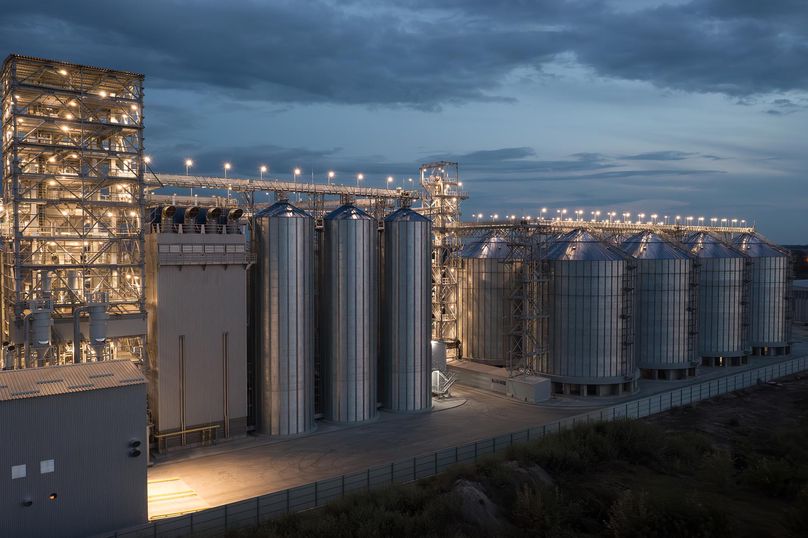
{"x": 441, "y": 202}
{"x": 73, "y": 190}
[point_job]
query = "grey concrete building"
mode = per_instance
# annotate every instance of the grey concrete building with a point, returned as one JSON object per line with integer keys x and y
{"x": 197, "y": 332}
{"x": 73, "y": 458}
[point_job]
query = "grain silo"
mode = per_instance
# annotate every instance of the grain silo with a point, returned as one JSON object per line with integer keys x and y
{"x": 406, "y": 362}
{"x": 666, "y": 299}
{"x": 349, "y": 315}
{"x": 285, "y": 239}
{"x": 722, "y": 297}
{"x": 589, "y": 304}
{"x": 769, "y": 286}
{"x": 486, "y": 283}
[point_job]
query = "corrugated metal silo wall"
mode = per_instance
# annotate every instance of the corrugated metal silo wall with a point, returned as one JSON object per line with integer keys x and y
{"x": 406, "y": 362}
{"x": 286, "y": 261}
{"x": 664, "y": 313}
{"x": 767, "y": 301}
{"x": 349, "y": 328}
{"x": 589, "y": 334}
{"x": 721, "y": 312}
{"x": 484, "y": 313}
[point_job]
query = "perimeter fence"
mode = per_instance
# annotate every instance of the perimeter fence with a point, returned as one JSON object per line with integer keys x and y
{"x": 252, "y": 512}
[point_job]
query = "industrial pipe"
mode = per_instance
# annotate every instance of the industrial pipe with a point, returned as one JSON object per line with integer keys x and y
{"x": 77, "y": 333}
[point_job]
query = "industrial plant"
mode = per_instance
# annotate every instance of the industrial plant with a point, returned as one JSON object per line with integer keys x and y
{"x": 332, "y": 303}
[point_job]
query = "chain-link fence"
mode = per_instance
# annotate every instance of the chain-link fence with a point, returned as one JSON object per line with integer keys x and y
{"x": 252, "y": 512}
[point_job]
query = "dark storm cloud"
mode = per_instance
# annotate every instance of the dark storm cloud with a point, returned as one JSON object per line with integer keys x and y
{"x": 423, "y": 55}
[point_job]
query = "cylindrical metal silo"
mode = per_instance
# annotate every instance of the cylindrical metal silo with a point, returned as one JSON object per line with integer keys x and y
{"x": 486, "y": 282}
{"x": 665, "y": 307}
{"x": 589, "y": 304}
{"x": 722, "y": 296}
{"x": 349, "y": 327}
{"x": 769, "y": 326}
{"x": 406, "y": 361}
{"x": 285, "y": 239}
{"x": 799, "y": 299}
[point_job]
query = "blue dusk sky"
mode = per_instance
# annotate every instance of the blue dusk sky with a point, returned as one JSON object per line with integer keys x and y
{"x": 672, "y": 107}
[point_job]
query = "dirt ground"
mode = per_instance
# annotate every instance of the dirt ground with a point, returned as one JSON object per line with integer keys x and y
{"x": 772, "y": 406}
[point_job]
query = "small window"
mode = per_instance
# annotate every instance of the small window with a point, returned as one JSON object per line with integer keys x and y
{"x": 46, "y": 466}
{"x": 17, "y": 471}
{"x": 174, "y": 248}
{"x": 164, "y": 248}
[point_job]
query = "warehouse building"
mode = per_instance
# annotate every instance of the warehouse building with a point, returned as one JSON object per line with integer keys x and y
{"x": 74, "y": 449}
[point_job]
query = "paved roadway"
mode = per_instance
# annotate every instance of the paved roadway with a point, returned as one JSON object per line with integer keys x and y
{"x": 243, "y": 469}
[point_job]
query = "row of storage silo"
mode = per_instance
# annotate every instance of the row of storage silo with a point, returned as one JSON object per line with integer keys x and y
{"x": 356, "y": 375}
{"x": 612, "y": 310}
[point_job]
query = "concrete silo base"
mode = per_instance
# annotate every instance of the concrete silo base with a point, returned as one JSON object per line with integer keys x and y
{"x": 719, "y": 362}
{"x": 588, "y": 389}
{"x": 770, "y": 351}
{"x": 669, "y": 374}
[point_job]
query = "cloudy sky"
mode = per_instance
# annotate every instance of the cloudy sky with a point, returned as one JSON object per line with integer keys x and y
{"x": 683, "y": 107}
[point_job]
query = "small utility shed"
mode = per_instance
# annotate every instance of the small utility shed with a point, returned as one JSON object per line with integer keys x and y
{"x": 72, "y": 449}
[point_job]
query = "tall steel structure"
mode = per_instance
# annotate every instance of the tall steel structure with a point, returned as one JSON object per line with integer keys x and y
{"x": 441, "y": 202}
{"x": 73, "y": 200}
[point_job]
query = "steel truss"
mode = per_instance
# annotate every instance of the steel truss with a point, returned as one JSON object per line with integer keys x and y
{"x": 73, "y": 190}
{"x": 441, "y": 202}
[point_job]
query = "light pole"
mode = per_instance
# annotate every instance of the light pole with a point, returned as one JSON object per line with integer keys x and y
{"x": 389, "y": 181}
{"x": 359, "y": 177}
{"x": 295, "y": 173}
{"x": 227, "y": 167}
{"x": 188, "y": 164}
{"x": 331, "y": 175}
{"x": 262, "y": 171}
{"x": 543, "y": 212}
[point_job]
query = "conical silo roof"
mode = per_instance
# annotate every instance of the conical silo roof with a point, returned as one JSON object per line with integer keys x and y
{"x": 348, "y": 212}
{"x": 706, "y": 245}
{"x": 282, "y": 209}
{"x": 648, "y": 245}
{"x": 406, "y": 214}
{"x": 753, "y": 245}
{"x": 582, "y": 245}
{"x": 492, "y": 247}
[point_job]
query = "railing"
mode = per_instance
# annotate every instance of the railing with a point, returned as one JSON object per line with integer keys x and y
{"x": 191, "y": 228}
{"x": 207, "y": 436}
{"x": 253, "y": 512}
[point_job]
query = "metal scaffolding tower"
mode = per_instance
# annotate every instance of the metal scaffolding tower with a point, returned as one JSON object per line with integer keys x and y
{"x": 441, "y": 202}
{"x": 73, "y": 196}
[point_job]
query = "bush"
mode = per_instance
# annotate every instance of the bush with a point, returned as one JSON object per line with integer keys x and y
{"x": 641, "y": 516}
